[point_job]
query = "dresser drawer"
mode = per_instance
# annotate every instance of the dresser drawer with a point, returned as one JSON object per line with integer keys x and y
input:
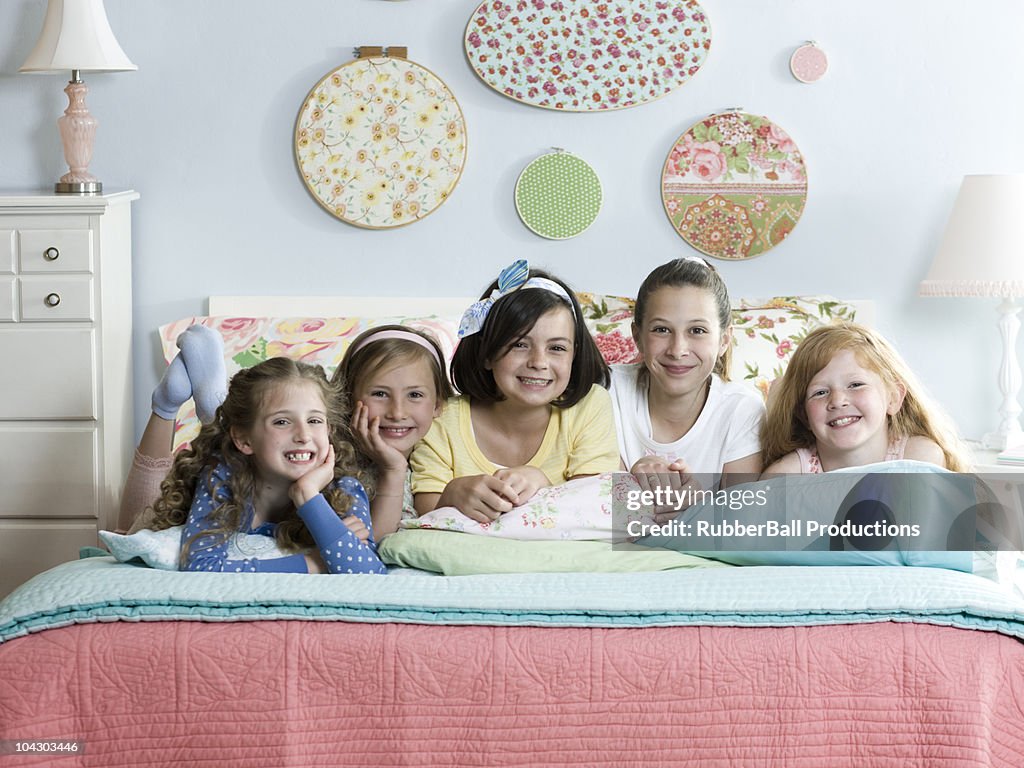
{"x": 57, "y": 297}
{"x": 7, "y": 251}
{"x": 55, "y": 250}
{"x": 28, "y": 547}
{"x": 69, "y": 485}
{"x": 7, "y": 299}
{"x": 47, "y": 374}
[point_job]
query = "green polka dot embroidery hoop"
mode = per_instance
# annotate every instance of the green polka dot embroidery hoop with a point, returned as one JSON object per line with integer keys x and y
{"x": 558, "y": 195}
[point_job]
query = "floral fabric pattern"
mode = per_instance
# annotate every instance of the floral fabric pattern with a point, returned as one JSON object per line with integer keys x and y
{"x": 765, "y": 335}
{"x": 577, "y": 510}
{"x": 734, "y": 185}
{"x": 581, "y": 55}
{"x": 765, "y": 332}
{"x": 322, "y": 341}
{"x": 380, "y": 142}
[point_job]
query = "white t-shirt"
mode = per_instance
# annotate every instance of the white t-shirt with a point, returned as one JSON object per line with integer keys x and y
{"x": 728, "y": 428}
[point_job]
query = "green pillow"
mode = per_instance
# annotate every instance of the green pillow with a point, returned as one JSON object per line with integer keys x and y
{"x": 461, "y": 554}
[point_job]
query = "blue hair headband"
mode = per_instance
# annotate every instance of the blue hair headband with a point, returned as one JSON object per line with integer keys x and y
{"x": 514, "y": 277}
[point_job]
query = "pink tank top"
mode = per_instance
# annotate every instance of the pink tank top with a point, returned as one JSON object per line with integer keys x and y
{"x": 809, "y": 464}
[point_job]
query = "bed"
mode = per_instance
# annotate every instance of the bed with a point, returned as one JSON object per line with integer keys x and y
{"x": 539, "y": 653}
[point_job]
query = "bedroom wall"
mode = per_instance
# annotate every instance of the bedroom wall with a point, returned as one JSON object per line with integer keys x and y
{"x": 919, "y": 93}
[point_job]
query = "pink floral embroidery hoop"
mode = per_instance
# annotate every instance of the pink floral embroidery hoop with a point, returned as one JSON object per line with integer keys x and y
{"x": 584, "y": 56}
{"x": 380, "y": 142}
{"x": 734, "y": 185}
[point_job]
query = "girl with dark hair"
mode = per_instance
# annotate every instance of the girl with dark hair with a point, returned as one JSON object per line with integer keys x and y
{"x": 533, "y": 410}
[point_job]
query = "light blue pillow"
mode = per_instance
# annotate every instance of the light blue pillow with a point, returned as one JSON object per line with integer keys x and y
{"x": 160, "y": 549}
{"x": 828, "y": 498}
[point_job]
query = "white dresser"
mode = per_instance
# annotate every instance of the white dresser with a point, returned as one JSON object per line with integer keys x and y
{"x": 66, "y": 433}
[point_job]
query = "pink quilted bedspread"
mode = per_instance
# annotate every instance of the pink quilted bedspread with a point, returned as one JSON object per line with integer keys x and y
{"x": 299, "y": 693}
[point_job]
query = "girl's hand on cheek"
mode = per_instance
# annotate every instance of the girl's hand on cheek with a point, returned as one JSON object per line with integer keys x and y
{"x": 479, "y": 497}
{"x": 367, "y": 434}
{"x": 314, "y": 481}
{"x": 524, "y": 480}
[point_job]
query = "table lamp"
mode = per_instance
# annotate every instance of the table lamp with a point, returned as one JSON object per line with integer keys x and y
{"x": 981, "y": 255}
{"x": 76, "y": 36}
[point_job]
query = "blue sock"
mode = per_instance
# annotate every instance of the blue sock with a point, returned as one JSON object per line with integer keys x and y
{"x": 202, "y": 351}
{"x": 172, "y": 391}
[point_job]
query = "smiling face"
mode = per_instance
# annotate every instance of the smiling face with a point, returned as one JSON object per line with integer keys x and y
{"x": 680, "y": 339}
{"x": 290, "y": 436}
{"x": 403, "y": 396}
{"x": 847, "y": 408}
{"x": 536, "y": 368}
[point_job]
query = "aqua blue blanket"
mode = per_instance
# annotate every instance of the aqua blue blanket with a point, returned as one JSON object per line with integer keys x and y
{"x": 100, "y": 589}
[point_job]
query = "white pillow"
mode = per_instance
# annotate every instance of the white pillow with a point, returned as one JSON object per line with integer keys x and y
{"x": 160, "y": 549}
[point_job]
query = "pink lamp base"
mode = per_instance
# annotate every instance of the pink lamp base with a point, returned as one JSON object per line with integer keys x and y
{"x": 77, "y": 131}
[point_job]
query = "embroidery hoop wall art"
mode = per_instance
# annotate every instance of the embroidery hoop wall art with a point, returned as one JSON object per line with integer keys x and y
{"x": 734, "y": 185}
{"x": 380, "y": 142}
{"x": 809, "y": 63}
{"x": 558, "y": 195}
{"x": 582, "y": 56}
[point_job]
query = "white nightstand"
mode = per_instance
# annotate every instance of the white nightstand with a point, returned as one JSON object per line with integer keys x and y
{"x": 984, "y": 460}
{"x": 66, "y": 434}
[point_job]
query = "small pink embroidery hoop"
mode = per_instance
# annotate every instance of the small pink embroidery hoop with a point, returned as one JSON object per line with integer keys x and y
{"x": 808, "y": 63}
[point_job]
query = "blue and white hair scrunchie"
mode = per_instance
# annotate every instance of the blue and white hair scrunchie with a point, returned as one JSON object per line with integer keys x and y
{"x": 512, "y": 278}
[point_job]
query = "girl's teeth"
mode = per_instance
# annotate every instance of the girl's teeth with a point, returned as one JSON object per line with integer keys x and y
{"x": 299, "y": 456}
{"x": 844, "y": 421}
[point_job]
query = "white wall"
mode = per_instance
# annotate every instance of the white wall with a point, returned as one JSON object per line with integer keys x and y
{"x": 919, "y": 93}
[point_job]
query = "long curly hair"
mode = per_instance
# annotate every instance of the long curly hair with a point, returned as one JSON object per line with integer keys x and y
{"x": 248, "y": 392}
{"x": 787, "y": 428}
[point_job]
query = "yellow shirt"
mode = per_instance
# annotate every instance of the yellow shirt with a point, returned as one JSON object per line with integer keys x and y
{"x": 580, "y": 440}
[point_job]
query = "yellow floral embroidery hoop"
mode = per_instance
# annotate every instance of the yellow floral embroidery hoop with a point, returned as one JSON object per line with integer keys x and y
{"x": 380, "y": 142}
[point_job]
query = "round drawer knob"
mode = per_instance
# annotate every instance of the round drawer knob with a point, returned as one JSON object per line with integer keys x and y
{"x": 52, "y": 299}
{"x": 51, "y": 254}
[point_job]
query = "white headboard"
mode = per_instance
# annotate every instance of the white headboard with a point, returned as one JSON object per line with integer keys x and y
{"x": 336, "y": 306}
{"x": 382, "y": 306}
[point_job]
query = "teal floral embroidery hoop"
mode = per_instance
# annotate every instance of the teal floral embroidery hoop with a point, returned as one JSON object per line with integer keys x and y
{"x": 734, "y": 185}
{"x": 584, "y": 56}
{"x": 380, "y": 142}
{"x": 558, "y": 195}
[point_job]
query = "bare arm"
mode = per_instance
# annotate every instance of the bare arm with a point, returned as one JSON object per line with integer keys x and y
{"x": 787, "y": 465}
{"x": 742, "y": 470}
{"x": 921, "y": 448}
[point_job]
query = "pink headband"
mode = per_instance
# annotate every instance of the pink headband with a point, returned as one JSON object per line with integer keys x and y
{"x": 415, "y": 338}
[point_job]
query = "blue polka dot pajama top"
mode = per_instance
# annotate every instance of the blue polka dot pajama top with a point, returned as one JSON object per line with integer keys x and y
{"x": 341, "y": 550}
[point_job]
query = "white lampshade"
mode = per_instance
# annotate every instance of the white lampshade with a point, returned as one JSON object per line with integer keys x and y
{"x": 77, "y": 35}
{"x": 982, "y": 251}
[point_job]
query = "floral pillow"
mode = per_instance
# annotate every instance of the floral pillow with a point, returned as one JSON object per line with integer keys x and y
{"x": 765, "y": 334}
{"x": 319, "y": 340}
{"x": 579, "y": 510}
